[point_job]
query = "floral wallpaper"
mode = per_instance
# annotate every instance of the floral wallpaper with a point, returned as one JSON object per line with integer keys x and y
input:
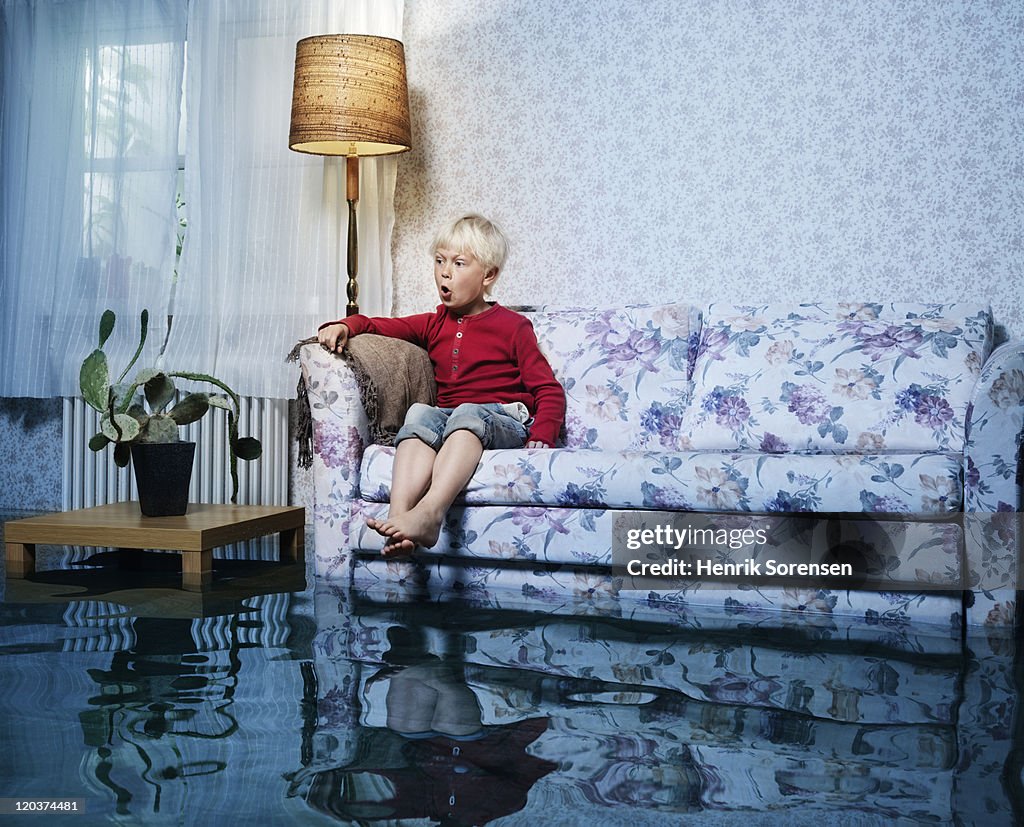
{"x": 737, "y": 150}
{"x": 30, "y": 455}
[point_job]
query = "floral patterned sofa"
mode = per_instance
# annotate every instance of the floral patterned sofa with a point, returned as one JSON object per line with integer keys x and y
{"x": 887, "y": 409}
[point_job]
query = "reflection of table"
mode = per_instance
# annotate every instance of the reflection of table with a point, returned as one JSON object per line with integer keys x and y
{"x": 152, "y": 591}
{"x": 122, "y": 525}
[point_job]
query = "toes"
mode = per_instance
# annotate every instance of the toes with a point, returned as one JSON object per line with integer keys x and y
{"x": 403, "y": 548}
{"x": 383, "y": 527}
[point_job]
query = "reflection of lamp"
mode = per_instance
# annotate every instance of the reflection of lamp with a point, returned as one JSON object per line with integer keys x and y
{"x": 350, "y": 98}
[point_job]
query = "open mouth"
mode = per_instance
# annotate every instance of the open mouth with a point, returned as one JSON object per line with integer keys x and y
{"x": 445, "y": 292}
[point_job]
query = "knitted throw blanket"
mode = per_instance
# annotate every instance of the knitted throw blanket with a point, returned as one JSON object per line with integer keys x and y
{"x": 391, "y": 375}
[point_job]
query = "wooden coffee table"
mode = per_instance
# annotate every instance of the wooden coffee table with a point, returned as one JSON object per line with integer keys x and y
{"x": 122, "y": 525}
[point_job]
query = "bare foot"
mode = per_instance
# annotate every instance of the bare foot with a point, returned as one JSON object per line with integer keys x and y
{"x": 403, "y": 532}
{"x": 395, "y": 546}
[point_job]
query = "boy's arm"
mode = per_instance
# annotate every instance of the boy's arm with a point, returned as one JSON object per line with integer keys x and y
{"x": 540, "y": 381}
{"x": 335, "y": 335}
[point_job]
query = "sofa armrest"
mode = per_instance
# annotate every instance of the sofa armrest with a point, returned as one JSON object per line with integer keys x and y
{"x": 992, "y": 486}
{"x": 995, "y": 430}
{"x": 340, "y": 424}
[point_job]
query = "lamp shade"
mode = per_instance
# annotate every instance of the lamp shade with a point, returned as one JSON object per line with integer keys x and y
{"x": 350, "y": 96}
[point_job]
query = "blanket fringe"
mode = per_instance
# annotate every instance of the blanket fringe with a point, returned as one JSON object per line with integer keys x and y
{"x": 304, "y": 425}
{"x": 304, "y": 417}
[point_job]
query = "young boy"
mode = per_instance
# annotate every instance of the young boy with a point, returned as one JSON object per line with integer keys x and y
{"x": 494, "y": 388}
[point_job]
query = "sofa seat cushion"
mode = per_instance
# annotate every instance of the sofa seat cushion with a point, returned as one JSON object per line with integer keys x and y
{"x": 625, "y": 372}
{"x": 699, "y": 481}
{"x": 487, "y": 550}
{"x": 857, "y": 378}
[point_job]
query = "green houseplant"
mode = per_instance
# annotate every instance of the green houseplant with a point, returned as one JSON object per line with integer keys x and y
{"x": 138, "y": 412}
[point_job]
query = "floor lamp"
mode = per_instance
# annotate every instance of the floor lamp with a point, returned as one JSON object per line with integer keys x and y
{"x": 350, "y": 98}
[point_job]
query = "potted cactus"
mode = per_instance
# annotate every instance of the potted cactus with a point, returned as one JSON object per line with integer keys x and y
{"x": 139, "y": 419}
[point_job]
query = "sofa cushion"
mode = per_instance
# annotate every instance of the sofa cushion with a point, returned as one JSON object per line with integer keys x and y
{"x": 624, "y": 370}
{"x": 904, "y": 552}
{"x": 857, "y": 378}
{"x": 899, "y": 483}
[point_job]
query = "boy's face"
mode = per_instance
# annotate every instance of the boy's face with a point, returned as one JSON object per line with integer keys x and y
{"x": 461, "y": 281}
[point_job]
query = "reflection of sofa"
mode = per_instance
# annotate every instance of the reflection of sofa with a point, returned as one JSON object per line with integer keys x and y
{"x": 701, "y": 714}
{"x": 863, "y": 408}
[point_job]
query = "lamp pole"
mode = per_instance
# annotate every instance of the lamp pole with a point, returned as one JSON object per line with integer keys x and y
{"x": 352, "y": 196}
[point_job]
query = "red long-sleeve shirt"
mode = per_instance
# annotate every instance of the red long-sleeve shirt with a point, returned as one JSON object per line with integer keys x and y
{"x": 485, "y": 357}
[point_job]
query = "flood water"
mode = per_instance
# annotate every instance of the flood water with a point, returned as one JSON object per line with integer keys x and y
{"x": 267, "y": 701}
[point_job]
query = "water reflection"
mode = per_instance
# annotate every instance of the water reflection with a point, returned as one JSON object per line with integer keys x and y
{"x": 161, "y": 687}
{"x": 328, "y": 707}
{"x": 144, "y": 718}
{"x": 434, "y": 758}
{"x": 671, "y": 716}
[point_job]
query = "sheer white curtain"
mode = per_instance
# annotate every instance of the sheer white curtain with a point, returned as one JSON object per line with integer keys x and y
{"x": 264, "y": 253}
{"x": 89, "y": 113}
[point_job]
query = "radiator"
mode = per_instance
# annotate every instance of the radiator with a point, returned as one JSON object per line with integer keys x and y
{"x": 91, "y": 479}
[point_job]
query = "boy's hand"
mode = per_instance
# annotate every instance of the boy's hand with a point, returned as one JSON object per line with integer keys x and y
{"x": 334, "y": 337}
{"x": 536, "y": 443}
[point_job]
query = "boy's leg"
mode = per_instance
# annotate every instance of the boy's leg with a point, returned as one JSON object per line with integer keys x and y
{"x": 468, "y": 431}
{"x": 421, "y": 525}
{"x": 418, "y": 442}
{"x": 414, "y": 464}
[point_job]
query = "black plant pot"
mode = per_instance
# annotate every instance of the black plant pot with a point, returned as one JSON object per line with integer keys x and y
{"x": 163, "y": 473}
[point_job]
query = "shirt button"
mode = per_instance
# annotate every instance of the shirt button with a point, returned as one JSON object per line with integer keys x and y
{"x": 455, "y": 352}
{"x": 454, "y": 368}
{"x": 458, "y": 335}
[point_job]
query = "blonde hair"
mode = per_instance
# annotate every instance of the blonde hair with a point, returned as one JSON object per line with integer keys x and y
{"x": 472, "y": 233}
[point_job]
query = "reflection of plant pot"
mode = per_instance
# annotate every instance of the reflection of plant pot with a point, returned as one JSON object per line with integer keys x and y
{"x": 163, "y": 473}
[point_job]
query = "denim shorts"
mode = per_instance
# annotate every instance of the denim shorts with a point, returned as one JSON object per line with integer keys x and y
{"x": 491, "y": 423}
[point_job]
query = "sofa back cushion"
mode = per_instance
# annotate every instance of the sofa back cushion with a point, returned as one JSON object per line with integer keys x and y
{"x": 857, "y": 378}
{"x": 624, "y": 370}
